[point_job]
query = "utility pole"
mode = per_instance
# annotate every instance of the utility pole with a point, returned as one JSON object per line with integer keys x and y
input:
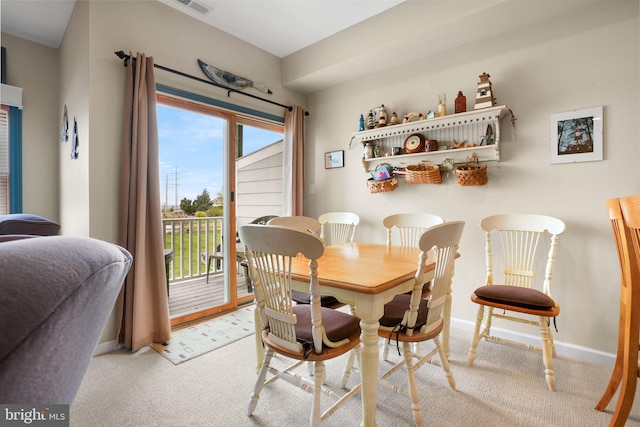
{"x": 176, "y": 183}
{"x": 173, "y": 181}
{"x": 166, "y": 193}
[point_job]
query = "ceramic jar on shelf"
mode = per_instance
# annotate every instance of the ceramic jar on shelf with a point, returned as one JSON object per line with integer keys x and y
{"x": 369, "y": 150}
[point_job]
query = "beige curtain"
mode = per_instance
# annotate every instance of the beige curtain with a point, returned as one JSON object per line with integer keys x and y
{"x": 142, "y": 307}
{"x": 294, "y": 150}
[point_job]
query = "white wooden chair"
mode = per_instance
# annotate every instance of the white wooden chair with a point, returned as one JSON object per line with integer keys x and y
{"x": 624, "y": 214}
{"x": 304, "y": 332}
{"x": 516, "y": 298}
{"x": 218, "y": 256}
{"x": 308, "y": 225}
{"x": 300, "y": 223}
{"x": 409, "y": 227}
{"x": 311, "y": 225}
{"x": 411, "y": 318}
{"x": 341, "y": 225}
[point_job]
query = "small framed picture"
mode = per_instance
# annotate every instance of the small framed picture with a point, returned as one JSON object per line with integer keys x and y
{"x": 576, "y": 136}
{"x": 334, "y": 159}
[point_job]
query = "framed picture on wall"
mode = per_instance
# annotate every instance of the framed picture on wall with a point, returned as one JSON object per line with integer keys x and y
{"x": 334, "y": 159}
{"x": 576, "y": 136}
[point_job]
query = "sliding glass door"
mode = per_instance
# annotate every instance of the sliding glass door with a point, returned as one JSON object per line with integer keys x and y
{"x": 218, "y": 171}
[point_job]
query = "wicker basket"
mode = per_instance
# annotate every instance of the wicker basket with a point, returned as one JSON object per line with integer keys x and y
{"x": 471, "y": 174}
{"x": 382, "y": 186}
{"x": 424, "y": 173}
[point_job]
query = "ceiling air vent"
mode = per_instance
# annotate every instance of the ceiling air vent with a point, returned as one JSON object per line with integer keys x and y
{"x": 198, "y": 7}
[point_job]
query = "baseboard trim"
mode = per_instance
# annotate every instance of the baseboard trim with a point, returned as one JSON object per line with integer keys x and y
{"x": 569, "y": 351}
{"x": 106, "y": 347}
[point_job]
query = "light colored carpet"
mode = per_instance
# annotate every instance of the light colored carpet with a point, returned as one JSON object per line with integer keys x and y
{"x": 505, "y": 387}
{"x": 201, "y": 338}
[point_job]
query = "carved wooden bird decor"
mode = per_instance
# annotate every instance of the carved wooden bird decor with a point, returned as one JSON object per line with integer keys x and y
{"x": 227, "y": 79}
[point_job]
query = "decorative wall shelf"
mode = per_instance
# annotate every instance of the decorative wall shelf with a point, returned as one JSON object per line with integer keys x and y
{"x": 470, "y": 127}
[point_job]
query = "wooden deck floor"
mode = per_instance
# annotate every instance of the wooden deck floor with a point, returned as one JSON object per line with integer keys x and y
{"x": 196, "y": 294}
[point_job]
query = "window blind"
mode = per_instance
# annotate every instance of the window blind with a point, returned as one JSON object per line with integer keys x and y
{"x": 4, "y": 160}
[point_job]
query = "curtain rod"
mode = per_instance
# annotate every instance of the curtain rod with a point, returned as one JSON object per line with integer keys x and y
{"x": 120, "y": 54}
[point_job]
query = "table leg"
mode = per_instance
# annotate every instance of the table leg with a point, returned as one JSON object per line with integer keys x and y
{"x": 446, "y": 314}
{"x": 257, "y": 321}
{"x": 369, "y": 366}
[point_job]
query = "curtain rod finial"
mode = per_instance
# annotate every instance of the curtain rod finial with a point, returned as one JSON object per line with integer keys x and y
{"x": 120, "y": 54}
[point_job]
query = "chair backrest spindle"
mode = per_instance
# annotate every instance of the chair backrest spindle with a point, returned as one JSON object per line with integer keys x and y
{"x": 410, "y": 226}
{"x": 520, "y": 237}
{"x": 341, "y": 225}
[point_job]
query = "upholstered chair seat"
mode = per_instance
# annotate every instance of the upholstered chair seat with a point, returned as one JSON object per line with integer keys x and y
{"x": 515, "y": 296}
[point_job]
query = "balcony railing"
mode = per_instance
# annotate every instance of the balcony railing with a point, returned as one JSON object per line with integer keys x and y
{"x": 189, "y": 238}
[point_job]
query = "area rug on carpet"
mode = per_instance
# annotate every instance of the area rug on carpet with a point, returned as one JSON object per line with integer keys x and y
{"x": 196, "y": 340}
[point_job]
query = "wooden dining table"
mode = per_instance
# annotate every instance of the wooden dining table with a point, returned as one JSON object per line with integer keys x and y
{"x": 366, "y": 276}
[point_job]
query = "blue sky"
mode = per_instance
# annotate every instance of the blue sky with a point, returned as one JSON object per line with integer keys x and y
{"x": 192, "y": 143}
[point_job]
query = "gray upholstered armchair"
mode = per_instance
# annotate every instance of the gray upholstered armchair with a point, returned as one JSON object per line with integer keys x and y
{"x": 56, "y": 294}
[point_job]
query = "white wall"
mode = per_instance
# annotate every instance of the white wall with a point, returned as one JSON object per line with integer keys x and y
{"x": 587, "y": 58}
{"x": 76, "y": 175}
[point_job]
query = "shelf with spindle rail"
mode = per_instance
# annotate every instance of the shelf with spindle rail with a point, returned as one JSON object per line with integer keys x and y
{"x": 459, "y": 136}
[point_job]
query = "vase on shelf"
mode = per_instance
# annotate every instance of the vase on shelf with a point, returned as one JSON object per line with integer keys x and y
{"x": 442, "y": 105}
{"x": 460, "y": 103}
{"x": 369, "y": 150}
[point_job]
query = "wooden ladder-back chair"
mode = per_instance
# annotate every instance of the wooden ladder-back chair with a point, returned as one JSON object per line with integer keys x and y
{"x": 342, "y": 227}
{"x": 410, "y": 227}
{"x": 304, "y": 332}
{"x": 520, "y": 235}
{"x": 624, "y": 214}
{"x": 412, "y": 319}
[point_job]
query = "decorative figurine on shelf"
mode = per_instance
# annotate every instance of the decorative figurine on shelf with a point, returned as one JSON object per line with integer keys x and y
{"x": 361, "y": 123}
{"x": 484, "y": 96}
{"x": 382, "y": 120}
{"x": 394, "y": 119}
{"x": 488, "y": 136}
{"x": 457, "y": 144}
{"x": 460, "y": 103}
{"x": 430, "y": 114}
{"x": 410, "y": 117}
{"x": 370, "y": 124}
